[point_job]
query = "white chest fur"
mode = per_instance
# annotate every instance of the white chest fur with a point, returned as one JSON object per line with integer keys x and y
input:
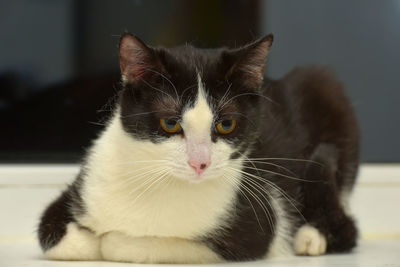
{"x": 169, "y": 207}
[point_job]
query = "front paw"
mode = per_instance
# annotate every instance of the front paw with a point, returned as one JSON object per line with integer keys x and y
{"x": 77, "y": 244}
{"x": 309, "y": 241}
{"x": 116, "y": 246}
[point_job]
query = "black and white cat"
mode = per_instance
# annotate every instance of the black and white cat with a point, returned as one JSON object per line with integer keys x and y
{"x": 205, "y": 160}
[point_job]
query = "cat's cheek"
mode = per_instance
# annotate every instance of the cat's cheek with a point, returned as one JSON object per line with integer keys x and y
{"x": 176, "y": 153}
{"x": 221, "y": 152}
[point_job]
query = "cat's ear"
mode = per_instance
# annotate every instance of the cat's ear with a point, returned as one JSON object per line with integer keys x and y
{"x": 249, "y": 61}
{"x": 137, "y": 61}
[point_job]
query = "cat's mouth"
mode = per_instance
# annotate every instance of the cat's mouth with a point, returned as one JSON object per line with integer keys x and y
{"x": 196, "y": 180}
{"x": 195, "y": 174}
{"x": 197, "y": 177}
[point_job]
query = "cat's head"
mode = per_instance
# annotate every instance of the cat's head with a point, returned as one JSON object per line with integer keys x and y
{"x": 198, "y": 109}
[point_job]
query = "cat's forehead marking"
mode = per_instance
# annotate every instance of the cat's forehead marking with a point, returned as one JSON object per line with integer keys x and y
{"x": 197, "y": 120}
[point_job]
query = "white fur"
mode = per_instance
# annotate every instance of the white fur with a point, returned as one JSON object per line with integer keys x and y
{"x": 155, "y": 250}
{"x": 281, "y": 244}
{"x": 77, "y": 244}
{"x": 145, "y": 204}
{"x": 345, "y": 195}
{"x": 309, "y": 241}
{"x": 197, "y": 121}
{"x": 142, "y": 189}
{"x": 174, "y": 207}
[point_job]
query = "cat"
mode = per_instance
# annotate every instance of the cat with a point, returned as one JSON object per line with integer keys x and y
{"x": 205, "y": 160}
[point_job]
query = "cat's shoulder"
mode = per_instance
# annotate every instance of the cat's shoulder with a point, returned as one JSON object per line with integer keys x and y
{"x": 312, "y": 79}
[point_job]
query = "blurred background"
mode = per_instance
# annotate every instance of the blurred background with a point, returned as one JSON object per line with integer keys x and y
{"x": 59, "y": 67}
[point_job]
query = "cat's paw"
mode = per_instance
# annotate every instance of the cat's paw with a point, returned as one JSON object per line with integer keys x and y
{"x": 309, "y": 241}
{"x": 76, "y": 244}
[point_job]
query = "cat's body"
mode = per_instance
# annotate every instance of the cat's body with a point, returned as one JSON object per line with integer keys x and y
{"x": 246, "y": 167}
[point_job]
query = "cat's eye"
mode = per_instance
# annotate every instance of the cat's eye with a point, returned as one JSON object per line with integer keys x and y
{"x": 170, "y": 125}
{"x": 226, "y": 126}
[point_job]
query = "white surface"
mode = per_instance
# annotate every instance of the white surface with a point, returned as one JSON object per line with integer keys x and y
{"x": 25, "y": 190}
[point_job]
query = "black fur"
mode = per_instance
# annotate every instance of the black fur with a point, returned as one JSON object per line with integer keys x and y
{"x": 322, "y": 207}
{"x": 54, "y": 221}
{"x": 303, "y": 123}
{"x": 311, "y": 119}
{"x": 247, "y": 236}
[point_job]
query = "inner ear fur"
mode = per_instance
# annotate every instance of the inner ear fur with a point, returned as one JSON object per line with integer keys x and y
{"x": 248, "y": 62}
{"x": 138, "y": 62}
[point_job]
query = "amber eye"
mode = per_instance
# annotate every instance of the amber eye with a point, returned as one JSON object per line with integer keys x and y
{"x": 226, "y": 126}
{"x": 170, "y": 125}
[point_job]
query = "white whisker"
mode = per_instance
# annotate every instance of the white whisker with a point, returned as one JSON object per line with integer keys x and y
{"x": 282, "y": 175}
{"x": 145, "y": 113}
{"x": 163, "y": 76}
{"x": 263, "y": 206}
{"x": 141, "y": 161}
{"x": 187, "y": 88}
{"x": 274, "y": 186}
{"x": 244, "y": 194}
{"x": 287, "y": 159}
{"x": 244, "y": 94}
{"x": 271, "y": 164}
{"x": 225, "y": 95}
{"x": 151, "y": 182}
{"x": 161, "y": 91}
{"x": 139, "y": 171}
{"x": 131, "y": 178}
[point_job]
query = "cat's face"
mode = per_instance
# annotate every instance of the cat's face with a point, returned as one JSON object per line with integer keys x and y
{"x": 195, "y": 111}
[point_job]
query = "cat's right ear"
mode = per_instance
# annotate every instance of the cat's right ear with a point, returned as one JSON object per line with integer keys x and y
{"x": 138, "y": 62}
{"x": 247, "y": 63}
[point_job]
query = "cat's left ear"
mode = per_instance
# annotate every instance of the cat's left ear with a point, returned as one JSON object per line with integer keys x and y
{"x": 249, "y": 62}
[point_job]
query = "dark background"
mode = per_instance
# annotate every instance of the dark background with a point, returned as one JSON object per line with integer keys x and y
{"x": 59, "y": 61}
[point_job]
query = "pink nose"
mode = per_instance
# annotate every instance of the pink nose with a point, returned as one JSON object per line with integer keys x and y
{"x": 198, "y": 166}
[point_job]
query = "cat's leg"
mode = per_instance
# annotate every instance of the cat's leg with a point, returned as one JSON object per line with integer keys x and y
{"x": 328, "y": 228}
{"x": 61, "y": 238}
{"x": 116, "y": 246}
{"x": 77, "y": 244}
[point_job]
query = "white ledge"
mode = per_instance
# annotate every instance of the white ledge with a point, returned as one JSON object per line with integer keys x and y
{"x": 59, "y": 174}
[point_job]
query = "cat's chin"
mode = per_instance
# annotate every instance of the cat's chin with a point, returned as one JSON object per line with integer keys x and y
{"x": 195, "y": 179}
